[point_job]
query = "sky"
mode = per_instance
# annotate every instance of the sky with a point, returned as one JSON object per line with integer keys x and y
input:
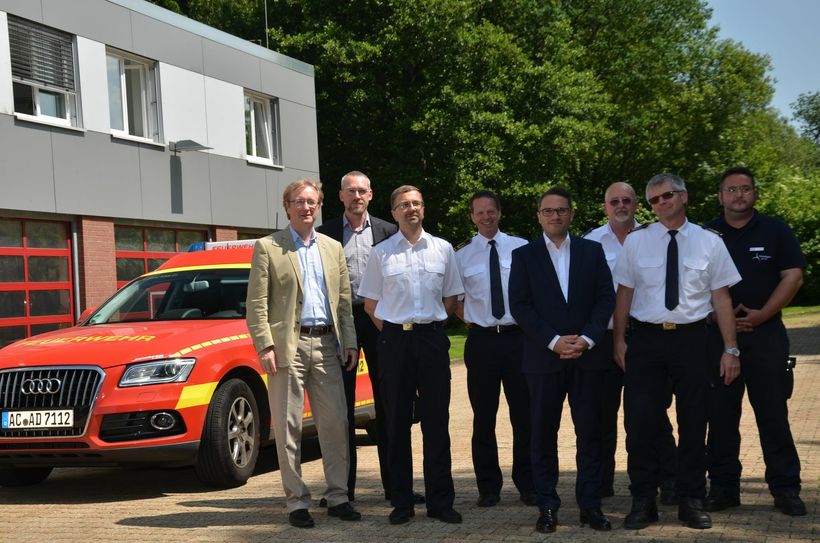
{"x": 787, "y": 30}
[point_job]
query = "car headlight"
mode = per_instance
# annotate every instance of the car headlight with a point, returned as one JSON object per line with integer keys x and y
{"x": 172, "y": 370}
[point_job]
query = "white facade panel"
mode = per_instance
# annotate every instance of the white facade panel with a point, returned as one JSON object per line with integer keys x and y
{"x": 299, "y": 136}
{"x": 6, "y": 93}
{"x": 224, "y": 111}
{"x": 183, "y": 105}
{"x": 93, "y": 85}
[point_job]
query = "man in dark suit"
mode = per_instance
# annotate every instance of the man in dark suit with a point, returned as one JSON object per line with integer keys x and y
{"x": 358, "y": 231}
{"x": 562, "y": 297}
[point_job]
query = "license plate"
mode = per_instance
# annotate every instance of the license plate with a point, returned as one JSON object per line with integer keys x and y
{"x": 54, "y": 418}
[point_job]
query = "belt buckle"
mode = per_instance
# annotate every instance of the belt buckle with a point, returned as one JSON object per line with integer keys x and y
{"x": 407, "y": 326}
{"x": 499, "y": 328}
{"x": 670, "y": 326}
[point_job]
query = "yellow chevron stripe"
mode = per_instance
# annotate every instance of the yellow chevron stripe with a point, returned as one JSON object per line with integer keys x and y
{"x": 241, "y": 266}
{"x": 196, "y": 395}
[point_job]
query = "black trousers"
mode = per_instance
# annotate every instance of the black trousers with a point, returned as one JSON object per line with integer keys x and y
{"x": 610, "y": 404}
{"x": 547, "y": 394}
{"x": 493, "y": 359}
{"x": 655, "y": 358}
{"x": 417, "y": 361}
{"x": 367, "y": 335}
{"x": 763, "y": 355}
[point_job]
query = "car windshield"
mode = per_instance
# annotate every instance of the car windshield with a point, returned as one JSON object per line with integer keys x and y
{"x": 181, "y": 295}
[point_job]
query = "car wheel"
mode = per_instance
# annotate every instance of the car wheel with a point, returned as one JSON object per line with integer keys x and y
{"x": 230, "y": 439}
{"x": 23, "y": 476}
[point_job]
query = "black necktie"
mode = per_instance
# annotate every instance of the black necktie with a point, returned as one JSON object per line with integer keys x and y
{"x": 496, "y": 294}
{"x": 672, "y": 272}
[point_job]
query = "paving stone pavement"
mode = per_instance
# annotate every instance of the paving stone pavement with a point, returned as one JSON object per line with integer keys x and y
{"x": 170, "y": 505}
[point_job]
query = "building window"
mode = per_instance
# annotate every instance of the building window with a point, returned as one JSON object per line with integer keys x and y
{"x": 262, "y": 140}
{"x": 42, "y": 72}
{"x": 133, "y": 106}
{"x": 140, "y": 250}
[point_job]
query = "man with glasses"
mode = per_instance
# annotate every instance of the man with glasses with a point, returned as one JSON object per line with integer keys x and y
{"x": 410, "y": 288}
{"x": 561, "y": 295}
{"x": 357, "y": 230}
{"x": 620, "y": 205}
{"x": 769, "y": 258}
{"x": 300, "y": 320}
{"x": 492, "y": 353}
{"x": 671, "y": 275}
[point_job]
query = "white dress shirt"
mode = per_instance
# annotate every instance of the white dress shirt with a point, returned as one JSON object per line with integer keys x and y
{"x": 560, "y": 261}
{"x": 474, "y": 267}
{"x": 409, "y": 281}
{"x": 612, "y": 249}
{"x": 704, "y": 265}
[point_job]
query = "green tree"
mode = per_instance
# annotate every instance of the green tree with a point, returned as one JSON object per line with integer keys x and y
{"x": 807, "y": 112}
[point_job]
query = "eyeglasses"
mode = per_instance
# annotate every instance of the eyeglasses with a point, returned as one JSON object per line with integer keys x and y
{"x": 626, "y": 200}
{"x": 301, "y": 202}
{"x": 404, "y": 206}
{"x": 357, "y": 191}
{"x": 550, "y": 211}
{"x": 665, "y": 196}
{"x": 743, "y": 189}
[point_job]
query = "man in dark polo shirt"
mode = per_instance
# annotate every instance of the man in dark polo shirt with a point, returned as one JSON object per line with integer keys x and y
{"x": 768, "y": 257}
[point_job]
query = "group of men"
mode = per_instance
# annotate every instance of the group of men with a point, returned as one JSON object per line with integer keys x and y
{"x": 661, "y": 310}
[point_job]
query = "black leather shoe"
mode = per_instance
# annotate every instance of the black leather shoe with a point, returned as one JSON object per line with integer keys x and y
{"x": 344, "y": 511}
{"x": 718, "y": 500}
{"x": 323, "y": 503}
{"x": 789, "y": 503}
{"x": 644, "y": 512}
{"x": 692, "y": 513}
{"x": 488, "y": 500}
{"x": 300, "y": 518}
{"x": 607, "y": 491}
{"x": 668, "y": 494}
{"x": 528, "y": 498}
{"x": 547, "y": 521}
{"x": 450, "y": 516}
{"x": 596, "y": 519}
{"x": 401, "y": 515}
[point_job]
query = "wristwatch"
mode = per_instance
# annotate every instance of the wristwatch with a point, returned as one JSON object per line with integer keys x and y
{"x": 734, "y": 351}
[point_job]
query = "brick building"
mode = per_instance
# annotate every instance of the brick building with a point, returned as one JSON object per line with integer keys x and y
{"x": 129, "y": 132}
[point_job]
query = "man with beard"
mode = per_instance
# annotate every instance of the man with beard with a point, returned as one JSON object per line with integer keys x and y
{"x": 769, "y": 258}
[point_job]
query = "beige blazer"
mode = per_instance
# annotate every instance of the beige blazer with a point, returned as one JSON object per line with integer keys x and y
{"x": 274, "y": 302}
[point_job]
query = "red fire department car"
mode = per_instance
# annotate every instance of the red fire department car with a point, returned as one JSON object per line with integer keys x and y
{"x": 164, "y": 373}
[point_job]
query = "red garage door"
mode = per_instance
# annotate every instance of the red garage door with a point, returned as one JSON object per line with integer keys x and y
{"x": 35, "y": 278}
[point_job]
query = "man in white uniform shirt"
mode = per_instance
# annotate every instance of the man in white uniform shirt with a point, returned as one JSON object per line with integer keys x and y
{"x": 410, "y": 288}
{"x": 620, "y": 205}
{"x": 670, "y": 276}
{"x": 492, "y": 353}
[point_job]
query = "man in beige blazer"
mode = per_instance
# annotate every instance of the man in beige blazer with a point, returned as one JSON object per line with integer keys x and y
{"x": 300, "y": 319}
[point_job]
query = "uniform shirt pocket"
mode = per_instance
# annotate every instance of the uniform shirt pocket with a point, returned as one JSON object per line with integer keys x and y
{"x": 695, "y": 274}
{"x": 475, "y": 280}
{"x": 651, "y": 271}
{"x": 434, "y": 276}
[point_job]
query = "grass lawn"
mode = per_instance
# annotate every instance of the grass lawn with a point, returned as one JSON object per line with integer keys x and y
{"x": 800, "y": 309}
{"x": 457, "y": 332}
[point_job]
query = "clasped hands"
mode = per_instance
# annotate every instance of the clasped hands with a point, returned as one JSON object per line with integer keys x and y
{"x": 570, "y": 347}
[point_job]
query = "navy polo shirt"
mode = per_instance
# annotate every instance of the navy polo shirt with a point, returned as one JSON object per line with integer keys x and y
{"x": 761, "y": 250}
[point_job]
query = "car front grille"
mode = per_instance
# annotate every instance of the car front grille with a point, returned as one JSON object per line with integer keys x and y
{"x": 77, "y": 390}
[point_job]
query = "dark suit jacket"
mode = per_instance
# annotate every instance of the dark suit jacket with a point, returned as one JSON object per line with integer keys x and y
{"x": 381, "y": 229}
{"x": 539, "y": 307}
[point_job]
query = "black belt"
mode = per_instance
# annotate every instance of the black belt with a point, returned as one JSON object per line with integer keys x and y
{"x": 316, "y": 330}
{"x": 666, "y": 326}
{"x": 497, "y": 329}
{"x": 410, "y": 326}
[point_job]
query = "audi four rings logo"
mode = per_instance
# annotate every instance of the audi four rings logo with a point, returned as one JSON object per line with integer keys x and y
{"x": 41, "y": 386}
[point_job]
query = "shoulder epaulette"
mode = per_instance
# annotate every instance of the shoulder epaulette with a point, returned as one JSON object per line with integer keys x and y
{"x": 641, "y": 227}
{"x": 712, "y": 230}
{"x": 464, "y": 243}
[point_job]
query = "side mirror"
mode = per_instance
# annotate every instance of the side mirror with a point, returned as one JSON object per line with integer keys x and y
{"x": 87, "y": 313}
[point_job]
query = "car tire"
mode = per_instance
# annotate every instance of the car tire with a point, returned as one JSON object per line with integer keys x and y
{"x": 23, "y": 476}
{"x": 230, "y": 438}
